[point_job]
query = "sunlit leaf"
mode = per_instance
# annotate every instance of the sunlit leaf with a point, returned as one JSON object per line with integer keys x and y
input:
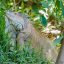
{"x": 62, "y": 7}
{"x": 58, "y": 40}
{"x": 44, "y": 4}
{"x": 43, "y": 20}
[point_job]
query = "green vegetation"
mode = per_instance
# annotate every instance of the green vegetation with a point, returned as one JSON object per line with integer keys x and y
{"x": 27, "y": 55}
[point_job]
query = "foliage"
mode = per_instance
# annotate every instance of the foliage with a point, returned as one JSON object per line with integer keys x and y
{"x": 42, "y": 21}
{"x": 25, "y": 56}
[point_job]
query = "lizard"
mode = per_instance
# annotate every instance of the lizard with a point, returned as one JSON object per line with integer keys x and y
{"x": 24, "y": 30}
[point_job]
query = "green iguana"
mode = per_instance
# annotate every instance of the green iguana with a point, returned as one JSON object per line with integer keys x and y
{"x": 20, "y": 29}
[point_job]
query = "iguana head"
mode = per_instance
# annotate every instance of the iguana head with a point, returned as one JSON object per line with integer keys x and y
{"x": 15, "y": 15}
{"x": 17, "y": 19}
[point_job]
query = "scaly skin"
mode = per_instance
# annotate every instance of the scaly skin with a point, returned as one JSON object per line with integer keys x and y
{"x": 60, "y": 59}
{"x": 25, "y": 30}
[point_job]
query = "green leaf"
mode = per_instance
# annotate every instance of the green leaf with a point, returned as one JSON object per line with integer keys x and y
{"x": 58, "y": 40}
{"x": 62, "y": 7}
{"x": 43, "y": 21}
{"x": 63, "y": 10}
{"x": 35, "y": 9}
{"x": 57, "y": 4}
{"x": 44, "y": 4}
